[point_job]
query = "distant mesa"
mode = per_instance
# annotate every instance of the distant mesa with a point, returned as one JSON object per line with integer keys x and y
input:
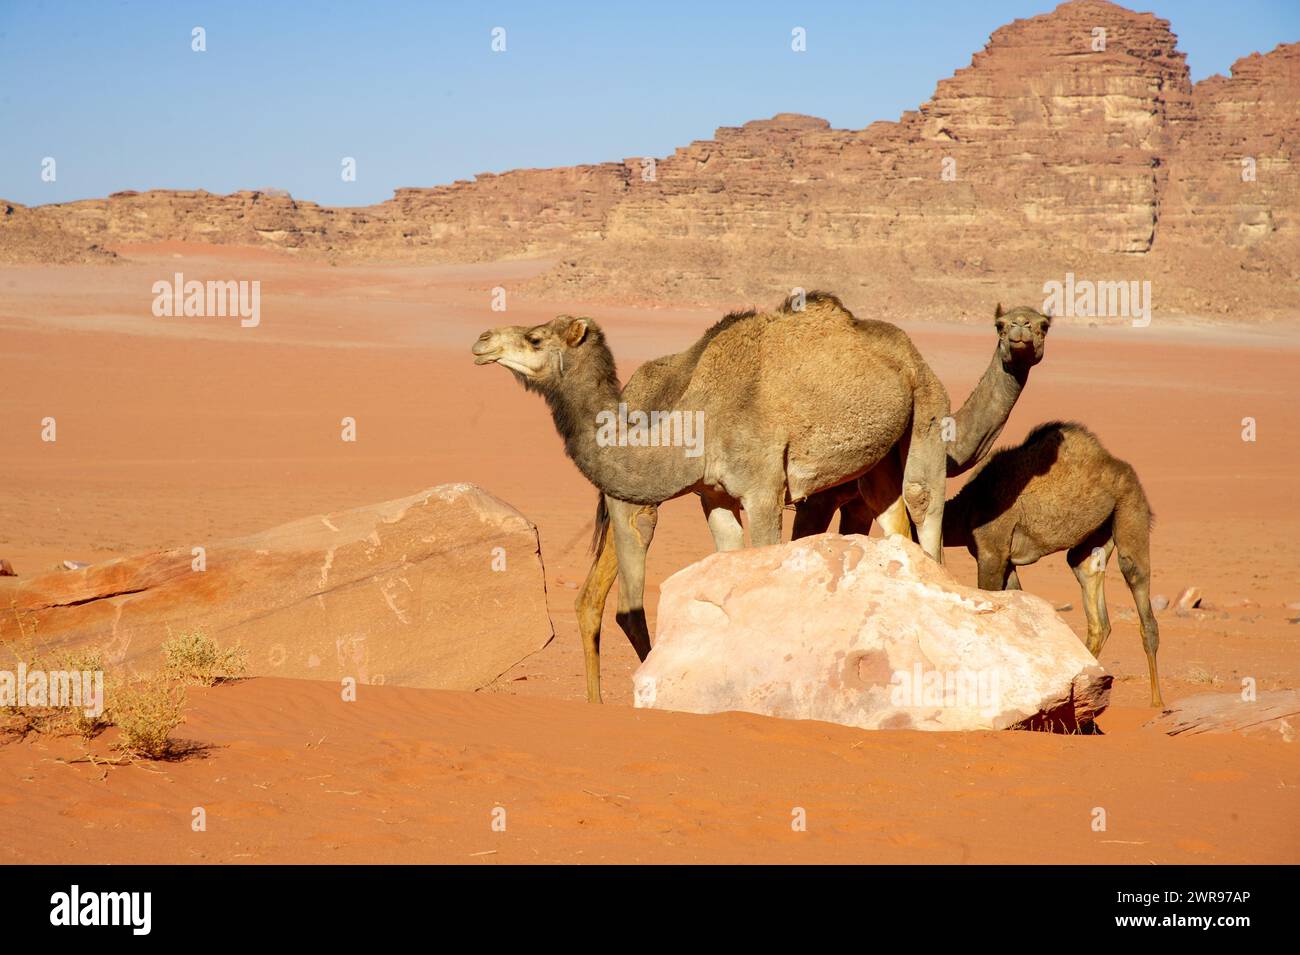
{"x": 1051, "y": 153}
{"x": 789, "y": 121}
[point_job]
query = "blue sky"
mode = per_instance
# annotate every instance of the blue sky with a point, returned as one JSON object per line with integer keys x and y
{"x": 112, "y": 90}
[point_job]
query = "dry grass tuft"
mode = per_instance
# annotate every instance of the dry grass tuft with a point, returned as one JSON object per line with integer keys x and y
{"x": 195, "y": 659}
{"x": 145, "y": 712}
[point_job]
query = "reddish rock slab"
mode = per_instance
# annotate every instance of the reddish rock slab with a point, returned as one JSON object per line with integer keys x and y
{"x": 1274, "y": 712}
{"x": 443, "y": 589}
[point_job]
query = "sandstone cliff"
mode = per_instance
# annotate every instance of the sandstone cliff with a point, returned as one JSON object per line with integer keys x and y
{"x": 1049, "y": 154}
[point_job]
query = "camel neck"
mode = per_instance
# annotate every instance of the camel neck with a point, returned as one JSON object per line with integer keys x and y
{"x": 641, "y": 456}
{"x": 982, "y": 416}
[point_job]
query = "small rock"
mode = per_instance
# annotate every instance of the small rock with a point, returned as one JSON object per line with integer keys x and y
{"x": 1159, "y": 602}
{"x": 1271, "y": 712}
{"x": 1189, "y": 599}
{"x": 1064, "y": 607}
{"x": 7, "y": 569}
{"x": 73, "y": 564}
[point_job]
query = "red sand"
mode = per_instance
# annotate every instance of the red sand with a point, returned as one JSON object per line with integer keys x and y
{"x": 171, "y": 431}
{"x": 295, "y": 774}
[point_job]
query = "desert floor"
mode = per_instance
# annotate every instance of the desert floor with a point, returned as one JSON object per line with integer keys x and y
{"x": 175, "y": 430}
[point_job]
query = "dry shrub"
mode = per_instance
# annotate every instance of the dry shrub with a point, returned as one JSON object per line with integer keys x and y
{"x": 75, "y": 719}
{"x": 145, "y": 712}
{"x": 19, "y": 720}
{"x": 194, "y": 658}
{"x": 14, "y": 719}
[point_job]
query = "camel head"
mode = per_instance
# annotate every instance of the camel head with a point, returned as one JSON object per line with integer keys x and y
{"x": 541, "y": 356}
{"x": 1022, "y": 336}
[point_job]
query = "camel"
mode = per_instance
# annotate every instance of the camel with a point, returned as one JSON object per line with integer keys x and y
{"x": 793, "y": 401}
{"x": 1061, "y": 490}
{"x": 623, "y": 533}
{"x": 1022, "y": 337}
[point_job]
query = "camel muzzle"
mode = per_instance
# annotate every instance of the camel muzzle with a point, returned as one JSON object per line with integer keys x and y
{"x": 484, "y": 351}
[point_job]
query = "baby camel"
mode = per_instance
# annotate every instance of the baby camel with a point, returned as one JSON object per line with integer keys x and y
{"x": 1061, "y": 491}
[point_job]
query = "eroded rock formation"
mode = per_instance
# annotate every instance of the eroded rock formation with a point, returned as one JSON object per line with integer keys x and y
{"x": 1059, "y": 149}
{"x": 442, "y": 589}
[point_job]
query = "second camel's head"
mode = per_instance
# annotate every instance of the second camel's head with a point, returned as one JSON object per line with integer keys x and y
{"x": 1022, "y": 337}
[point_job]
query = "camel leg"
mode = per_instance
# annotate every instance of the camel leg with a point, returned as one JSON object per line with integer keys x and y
{"x": 1132, "y": 538}
{"x": 992, "y": 573}
{"x": 925, "y": 467}
{"x": 1013, "y": 579}
{"x": 813, "y": 514}
{"x": 929, "y": 528}
{"x": 925, "y": 477}
{"x": 879, "y": 489}
{"x": 992, "y": 566}
{"x": 856, "y": 516}
{"x": 1088, "y": 561}
{"x": 894, "y": 520}
{"x": 764, "y": 510}
{"x": 590, "y": 607}
{"x": 723, "y": 515}
{"x": 634, "y": 528}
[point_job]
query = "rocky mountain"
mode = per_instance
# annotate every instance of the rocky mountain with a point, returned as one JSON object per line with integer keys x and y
{"x": 1074, "y": 144}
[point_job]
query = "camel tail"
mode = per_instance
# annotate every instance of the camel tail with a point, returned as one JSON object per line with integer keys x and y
{"x": 602, "y": 524}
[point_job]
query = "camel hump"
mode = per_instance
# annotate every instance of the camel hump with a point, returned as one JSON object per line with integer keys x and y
{"x": 816, "y": 302}
{"x": 1056, "y": 431}
{"x": 1072, "y": 440}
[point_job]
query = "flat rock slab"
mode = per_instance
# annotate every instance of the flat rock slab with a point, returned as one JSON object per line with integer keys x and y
{"x": 442, "y": 589}
{"x": 864, "y": 632}
{"x": 1275, "y": 712}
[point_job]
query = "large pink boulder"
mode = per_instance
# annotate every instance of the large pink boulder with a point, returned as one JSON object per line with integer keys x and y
{"x": 443, "y": 589}
{"x": 864, "y": 632}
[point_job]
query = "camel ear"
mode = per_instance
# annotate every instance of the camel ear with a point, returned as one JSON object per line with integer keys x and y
{"x": 576, "y": 332}
{"x": 997, "y": 312}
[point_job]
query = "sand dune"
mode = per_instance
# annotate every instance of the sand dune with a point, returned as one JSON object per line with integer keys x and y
{"x": 172, "y": 431}
{"x": 292, "y": 774}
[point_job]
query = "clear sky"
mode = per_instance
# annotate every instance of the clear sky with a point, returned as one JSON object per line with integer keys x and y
{"x": 112, "y": 90}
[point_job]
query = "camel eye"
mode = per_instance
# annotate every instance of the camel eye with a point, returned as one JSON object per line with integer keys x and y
{"x": 534, "y": 341}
